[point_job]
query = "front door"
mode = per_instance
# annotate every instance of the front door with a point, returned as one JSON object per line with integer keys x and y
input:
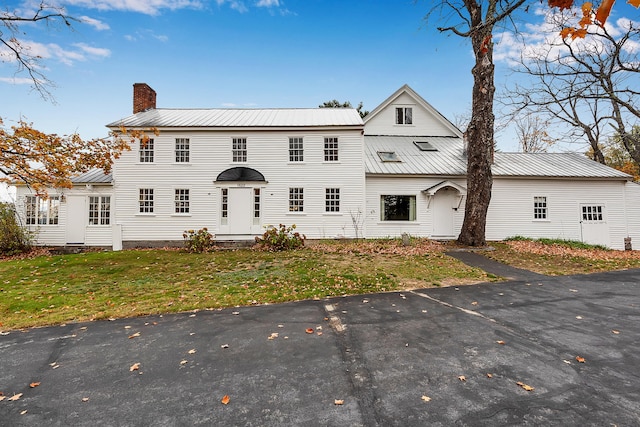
{"x": 240, "y": 210}
{"x": 76, "y": 217}
{"x": 593, "y": 224}
{"x": 443, "y": 203}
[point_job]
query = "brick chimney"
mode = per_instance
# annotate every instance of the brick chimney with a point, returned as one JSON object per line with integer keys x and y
{"x": 144, "y": 98}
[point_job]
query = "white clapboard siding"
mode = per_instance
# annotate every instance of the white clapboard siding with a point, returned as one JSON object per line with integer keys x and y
{"x": 632, "y": 202}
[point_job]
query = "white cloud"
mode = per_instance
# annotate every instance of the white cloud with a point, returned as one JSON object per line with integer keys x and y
{"x": 98, "y": 25}
{"x": 268, "y": 3}
{"x": 53, "y": 51}
{"x": 148, "y": 7}
{"x": 16, "y": 80}
{"x": 145, "y": 35}
{"x": 93, "y": 51}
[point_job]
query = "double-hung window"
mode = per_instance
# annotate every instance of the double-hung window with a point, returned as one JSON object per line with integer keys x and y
{"x": 145, "y": 200}
{"x": 331, "y": 149}
{"x": 42, "y": 211}
{"x": 296, "y": 199}
{"x": 404, "y": 115}
{"x": 239, "y": 150}
{"x": 99, "y": 210}
{"x": 540, "y": 210}
{"x": 146, "y": 150}
{"x": 397, "y": 208}
{"x": 296, "y": 150}
{"x": 332, "y": 200}
{"x": 181, "y": 201}
{"x": 182, "y": 150}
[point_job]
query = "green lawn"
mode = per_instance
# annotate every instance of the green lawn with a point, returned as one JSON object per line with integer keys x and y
{"x": 97, "y": 285}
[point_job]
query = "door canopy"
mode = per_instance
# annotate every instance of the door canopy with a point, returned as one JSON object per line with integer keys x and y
{"x": 240, "y": 174}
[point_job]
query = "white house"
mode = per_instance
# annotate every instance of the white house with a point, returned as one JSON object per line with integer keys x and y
{"x": 402, "y": 170}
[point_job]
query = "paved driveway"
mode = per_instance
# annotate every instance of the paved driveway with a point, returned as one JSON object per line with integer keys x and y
{"x": 451, "y": 356}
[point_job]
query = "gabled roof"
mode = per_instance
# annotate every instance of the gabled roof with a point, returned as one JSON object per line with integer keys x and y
{"x": 405, "y": 89}
{"x": 243, "y": 118}
{"x": 449, "y": 161}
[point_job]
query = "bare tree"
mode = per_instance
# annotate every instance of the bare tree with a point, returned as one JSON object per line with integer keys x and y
{"x": 12, "y": 23}
{"x": 588, "y": 85}
{"x": 476, "y": 20}
{"x": 532, "y": 134}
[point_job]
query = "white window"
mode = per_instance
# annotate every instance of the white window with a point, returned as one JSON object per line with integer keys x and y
{"x": 404, "y": 115}
{"x": 592, "y": 213}
{"x": 296, "y": 200}
{"x": 398, "y": 208}
{"x": 296, "y": 150}
{"x": 146, "y": 151}
{"x": 540, "y": 207}
{"x": 42, "y": 211}
{"x": 99, "y": 210}
{"x": 331, "y": 149}
{"x": 182, "y": 150}
{"x": 239, "y": 150}
{"x": 332, "y": 200}
{"x": 181, "y": 200}
{"x": 256, "y": 206}
{"x": 145, "y": 200}
{"x": 224, "y": 206}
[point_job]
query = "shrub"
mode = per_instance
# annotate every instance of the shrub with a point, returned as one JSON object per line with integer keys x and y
{"x": 281, "y": 238}
{"x": 14, "y": 238}
{"x": 198, "y": 241}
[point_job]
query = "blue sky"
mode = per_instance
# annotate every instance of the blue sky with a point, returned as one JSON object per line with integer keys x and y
{"x": 242, "y": 53}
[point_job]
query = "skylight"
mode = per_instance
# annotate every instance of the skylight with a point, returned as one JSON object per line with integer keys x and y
{"x": 425, "y": 146}
{"x": 388, "y": 156}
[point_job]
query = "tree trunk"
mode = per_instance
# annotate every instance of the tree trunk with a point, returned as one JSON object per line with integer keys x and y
{"x": 480, "y": 138}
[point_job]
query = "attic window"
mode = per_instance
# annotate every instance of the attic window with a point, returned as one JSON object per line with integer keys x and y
{"x": 425, "y": 146}
{"x": 388, "y": 156}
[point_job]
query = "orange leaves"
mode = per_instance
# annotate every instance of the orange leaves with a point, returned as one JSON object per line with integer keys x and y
{"x": 225, "y": 399}
{"x": 525, "y": 386}
{"x": 604, "y": 10}
{"x": 580, "y": 359}
{"x": 589, "y": 16}
{"x": 561, "y": 4}
{"x": 34, "y": 384}
{"x": 309, "y": 330}
{"x": 338, "y": 402}
{"x": 134, "y": 367}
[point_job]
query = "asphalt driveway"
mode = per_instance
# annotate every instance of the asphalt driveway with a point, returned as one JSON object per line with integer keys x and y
{"x": 450, "y": 356}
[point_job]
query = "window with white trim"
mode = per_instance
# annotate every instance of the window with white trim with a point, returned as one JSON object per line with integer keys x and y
{"x": 332, "y": 200}
{"x": 181, "y": 201}
{"x": 224, "y": 205}
{"x": 404, "y": 115}
{"x": 296, "y": 199}
{"x": 145, "y": 200}
{"x": 146, "y": 150}
{"x": 397, "y": 208}
{"x": 256, "y": 206}
{"x": 592, "y": 213}
{"x": 42, "y": 211}
{"x": 296, "y": 150}
{"x": 182, "y": 150}
{"x": 331, "y": 149}
{"x": 99, "y": 210}
{"x": 239, "y": 150}
{"x": 540, "y": 207}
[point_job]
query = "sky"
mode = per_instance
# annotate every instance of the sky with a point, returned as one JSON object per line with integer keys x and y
{"x": 241, "y": 53}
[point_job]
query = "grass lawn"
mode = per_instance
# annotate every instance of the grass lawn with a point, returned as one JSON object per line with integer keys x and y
{"x": 46, "y": 290}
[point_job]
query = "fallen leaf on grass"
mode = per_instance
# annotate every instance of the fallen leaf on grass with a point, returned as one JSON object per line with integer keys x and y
{"x": 309, "y": 330}
{"x": 15, "y": 397}
{"x": 225, "y": 399}
{"x": 426, "y": 398}
{"x": 34, "y": 384}
{"x": 462, "y": 378}
{"x": 524, "y": 386}
{"x": 137, "y": 334}
{"x": 338, "y": 402}
{"x": 580, "y": 359}
{"x": 192, "y": 351}
{"x": 134, "y": 367}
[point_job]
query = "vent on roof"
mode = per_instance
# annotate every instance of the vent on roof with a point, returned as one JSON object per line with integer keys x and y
{"x": 388, "y": 156}
{"x": 425, "y": 146}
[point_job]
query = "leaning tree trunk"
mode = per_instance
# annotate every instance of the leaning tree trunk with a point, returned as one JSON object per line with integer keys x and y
{"x": 479, "y": 137}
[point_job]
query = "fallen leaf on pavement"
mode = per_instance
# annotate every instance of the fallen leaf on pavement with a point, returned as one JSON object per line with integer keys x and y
{"x": 137, "y": 334}
{"x": 580, "y": 359}
{"x": 192, "y": 351}
{"x": 183, "y": 362}
{"x": 489, "y": 375}
{"x": 134, "y": 367}
{"x": 225, "y": 399}
{"x": 579, "y": 317}
{"x": 615, "y": 332}
{"x": 15, "y": 397}
{"x": 462, "y": 378}
{"x": 34, "y": 384}
{"x": 2, "y": 398}
{"x": 309, "y": 330}
{"x": 23, "y": 412}
{"x": 568, "y": 362}
{"x": 524, "y": 386}
{"x": 426, "y": 398}
{"x": 474, "y": 303}
{"x": 501, "y": 342}
{"x": 338, "y": 402}
{"x": 224, "y": 346}
{"x": 273, "y": 336}
{"x": 85, "y": 399}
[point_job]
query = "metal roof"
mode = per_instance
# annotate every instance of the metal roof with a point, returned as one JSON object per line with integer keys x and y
{"x": 228, "y": 118}
{"x": 449, "y": 161}
{"x": 94, "y": 176}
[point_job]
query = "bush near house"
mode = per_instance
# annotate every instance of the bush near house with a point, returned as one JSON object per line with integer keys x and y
{"x": 281, "y": 238}
{"x": 198, "y": 241}
{"x": 14, "y": 238}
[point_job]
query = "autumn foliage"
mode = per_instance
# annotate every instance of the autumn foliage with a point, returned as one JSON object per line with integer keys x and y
{"x": 591, "y": 14}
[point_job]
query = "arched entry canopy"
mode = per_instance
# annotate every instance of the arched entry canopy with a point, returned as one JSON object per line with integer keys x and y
{"x": 431, "y": 191}
{"x": 240, "y": 174}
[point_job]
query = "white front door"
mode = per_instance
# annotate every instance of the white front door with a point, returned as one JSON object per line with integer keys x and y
{"x": 442, "y": 204}
{"x": 240, "y": 215}
{"x": 593, "y": 225}
{"x": 76, "y": 219}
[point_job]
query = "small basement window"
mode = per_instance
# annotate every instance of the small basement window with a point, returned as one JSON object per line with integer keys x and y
{"x": 424, "y": 146}
{"x": 388, "y": 156}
